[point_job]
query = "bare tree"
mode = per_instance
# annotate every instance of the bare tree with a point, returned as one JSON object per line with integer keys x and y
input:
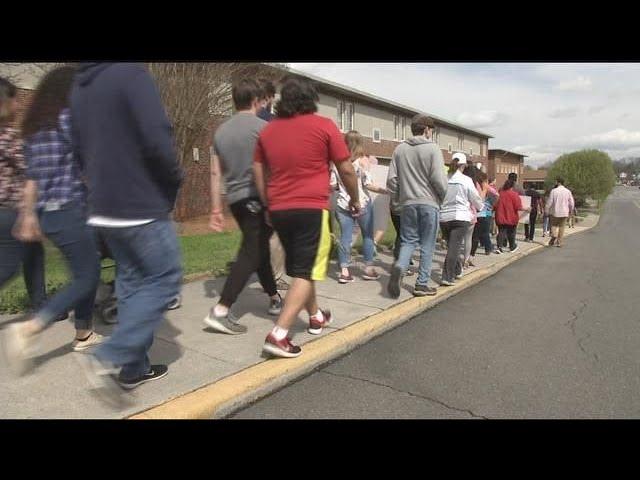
{"x": 197, "y": 95}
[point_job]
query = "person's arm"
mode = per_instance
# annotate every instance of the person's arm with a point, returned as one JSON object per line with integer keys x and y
{"x": 392, "y": 181}
{"x": 350, "y": 181}
{"x": 27, "y": 226}
{"x": 474, "y": 197}
{"x": 372, "y": 187}
{"x": 217, "y": 215}
{"x": 437, "y": 175}
{"x": 154, "y": 128}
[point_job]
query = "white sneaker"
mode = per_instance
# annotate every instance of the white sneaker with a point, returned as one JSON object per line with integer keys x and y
{"x": 18, "y": 348}
{"x": 81, "y": 345}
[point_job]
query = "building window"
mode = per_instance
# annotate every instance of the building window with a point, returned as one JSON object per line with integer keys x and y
{"x": 450, "y": 148}
{"x": 404, "y": 128}
{"x": 471, "y": 151}
{"x": 460, "y": 142}
{"x": 376, "y": 135}
{"x": 436, "y": 135}
{"x": 396, "y": 127}
{"x": 348, "y": 117}
{"x": 340, "y": 114}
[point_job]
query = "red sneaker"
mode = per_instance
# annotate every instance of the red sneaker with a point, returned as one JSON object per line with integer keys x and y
{"x": 280, "y": 348}
{"x": 316, "y": 326}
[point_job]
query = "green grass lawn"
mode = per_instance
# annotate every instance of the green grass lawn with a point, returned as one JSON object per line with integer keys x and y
{"x": 201, "y": 255}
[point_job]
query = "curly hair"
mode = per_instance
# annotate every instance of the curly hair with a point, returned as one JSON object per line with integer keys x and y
{"x": 297, "y": 97}
{"x": 51, "y": 97}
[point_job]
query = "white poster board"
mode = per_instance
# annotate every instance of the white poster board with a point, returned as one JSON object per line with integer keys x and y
{"x": 380, "y": 202}
{"x": 526, "y": 203}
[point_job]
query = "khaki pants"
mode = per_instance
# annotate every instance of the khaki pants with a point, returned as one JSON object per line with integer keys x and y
{"x": 557, "y": 228}
{"x": 277, "y": 257}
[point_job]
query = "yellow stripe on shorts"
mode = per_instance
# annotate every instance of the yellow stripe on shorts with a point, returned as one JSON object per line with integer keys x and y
{"x": 321, "y": 264}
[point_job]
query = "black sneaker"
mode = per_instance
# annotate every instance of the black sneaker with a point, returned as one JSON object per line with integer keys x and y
{"x": 275, "y": 306}
{"x": 394, "y": 282}
{"x": 423, "y": 291}
{"x": 62, "y": 317}
{"x": 156, "y": 372}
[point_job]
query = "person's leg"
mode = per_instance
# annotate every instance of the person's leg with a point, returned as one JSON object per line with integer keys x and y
{"x": 533, "y": 216}
{"x": 150, "y": 273}
{"x": 276, "y": 255}
{"x": 555, "y": 223}
{"x": 526, "y": 231}
{"x": 365, "y": 221}
{"x": 346, "y": 222}
{"x": 429, "y": 219}
{"x": 485, "y": 235}
{"x": 253, "y": 250}
{"x": 395, "y": 219}
{"x": 409, "y": 240}
{"x": 467, "y": 244}
{"x": 33, "y": 272}
{"x": 501, "y": 234}
{"x": 561, "y": 226}
{"x": 511, "y": 236}
{"x": 68, "y": 231}
{"x": 265, "y": 269}
{"x": 475, "y": 238}
{"x": 456, "y": 240}
{"x": 11, "y": 250}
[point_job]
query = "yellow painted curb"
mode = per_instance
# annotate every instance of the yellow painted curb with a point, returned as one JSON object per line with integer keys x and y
{"x": 227, "y": 395}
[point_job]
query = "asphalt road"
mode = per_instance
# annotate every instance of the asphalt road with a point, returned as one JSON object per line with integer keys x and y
{"x": 555, "y": 335}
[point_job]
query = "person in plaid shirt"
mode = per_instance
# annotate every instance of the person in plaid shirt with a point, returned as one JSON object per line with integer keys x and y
{"x": 13, "y": 253}
{"x": 55, "y": 205}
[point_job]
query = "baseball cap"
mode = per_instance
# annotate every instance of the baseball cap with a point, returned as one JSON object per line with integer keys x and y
{"x": 461, "y": 157}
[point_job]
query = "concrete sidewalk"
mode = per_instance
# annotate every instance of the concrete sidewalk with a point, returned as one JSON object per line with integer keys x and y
{"x": 200, "y": 358}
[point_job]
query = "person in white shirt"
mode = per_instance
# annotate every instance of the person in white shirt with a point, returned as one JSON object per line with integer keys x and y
{"x": 456, "y": 216}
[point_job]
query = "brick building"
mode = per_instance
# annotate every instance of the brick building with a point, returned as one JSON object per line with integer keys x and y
{"x": 503, "y": 162}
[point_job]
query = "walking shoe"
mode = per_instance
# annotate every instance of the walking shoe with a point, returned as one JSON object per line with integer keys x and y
{"x": 18, "y": 348}
{"x": 446, "y": 283}
{"x": 175, "y": 303}
{"x": 497, "y": 251}
{"x": 154, "y": 373}
{"x": 346, "y": 279}
{"x": 282, "y": 285}
{"x": 62, "y": 317}
{"x": 423, "y": 291}
{"x": 92, "y": 340}
{"x": 280, "y": 348}
{"x": 410, "y": 272}
{"x": 224, "y": 324}
{"x": 275, "y": 306}
{"x": 552, "y": 241}
{"x": 368, "y": 276}
{"x": 103, "y": 380}
{"x": 515, "y": 249}
{"x": 559, "y": 245}
{"x": 316, "y": 326}
{"x": 393, "y": 287}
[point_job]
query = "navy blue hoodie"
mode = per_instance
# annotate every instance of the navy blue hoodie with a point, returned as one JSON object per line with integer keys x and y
{"x": 123, "y": 139}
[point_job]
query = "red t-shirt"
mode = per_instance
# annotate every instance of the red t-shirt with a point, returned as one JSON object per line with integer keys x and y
{"x": 297, "y": 152}
{"x": 507, "y": 207}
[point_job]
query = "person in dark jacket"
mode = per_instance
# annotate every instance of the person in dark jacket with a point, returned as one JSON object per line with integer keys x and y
{"x": 123, "y": 139}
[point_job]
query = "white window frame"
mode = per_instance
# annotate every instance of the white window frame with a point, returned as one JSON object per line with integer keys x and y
{"x": 340, "y": 115}
{"x": 349, "y": 116}
{"x": 396, "y": 127}
{"x": 403, "y": 123}
{"x": 373, "y": 135}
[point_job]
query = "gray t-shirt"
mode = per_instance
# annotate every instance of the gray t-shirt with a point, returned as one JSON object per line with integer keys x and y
{"x": 234, "y": 143}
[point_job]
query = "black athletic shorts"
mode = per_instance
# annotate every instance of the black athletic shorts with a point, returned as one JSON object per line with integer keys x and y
{"x": 306, "y": 240}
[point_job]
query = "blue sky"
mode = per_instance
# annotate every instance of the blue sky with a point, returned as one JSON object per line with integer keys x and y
{"x": 539, "y": 109}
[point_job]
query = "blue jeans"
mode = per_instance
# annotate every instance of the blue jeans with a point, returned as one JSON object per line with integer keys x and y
{"x": 148, "y": 277}
{"x": 14, "y": 253}
{"x": 418, "y": 228}
{"x": 68, "y": 230}
{"x": 546, "y": 224}
{"x": 347, "y": 222}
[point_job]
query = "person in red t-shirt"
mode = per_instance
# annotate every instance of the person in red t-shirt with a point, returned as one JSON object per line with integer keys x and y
{"x": 292, "y": 176}
{"x": 507, "y": 216}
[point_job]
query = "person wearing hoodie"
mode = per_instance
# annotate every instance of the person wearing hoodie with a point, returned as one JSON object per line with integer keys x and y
{"x": 456, "y": 216}
{"x": 123, "y": 139}
{"x": 507, "y": 215}
{"x": 417, "y": 182}
{"x": 560, "y": 205}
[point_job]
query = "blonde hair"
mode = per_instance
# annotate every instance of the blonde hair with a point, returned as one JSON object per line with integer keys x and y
{"x": 355, "y": 143}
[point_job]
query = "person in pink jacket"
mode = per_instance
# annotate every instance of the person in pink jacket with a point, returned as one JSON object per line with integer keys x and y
{"x": 559, "y": 207}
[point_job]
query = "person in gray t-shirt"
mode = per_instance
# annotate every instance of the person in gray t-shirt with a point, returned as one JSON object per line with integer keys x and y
{"x": 234, "y": 146}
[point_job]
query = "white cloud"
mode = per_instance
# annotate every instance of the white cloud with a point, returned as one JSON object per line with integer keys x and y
{"x": 579, "y": 84}
{"x": 617, "y": 140}
{"x": 482, "y": 119}
{"x": 565, "y": 112}
{"x": 596, "y": 109}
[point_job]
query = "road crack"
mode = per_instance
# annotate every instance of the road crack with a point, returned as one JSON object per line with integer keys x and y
{"x": 411, "y": 394}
